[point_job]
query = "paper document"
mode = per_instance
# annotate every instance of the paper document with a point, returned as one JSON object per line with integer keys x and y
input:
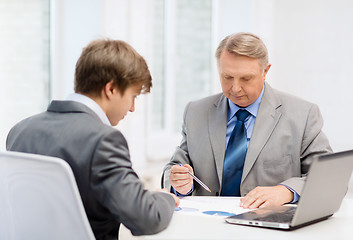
{"x": 210, "y": 206}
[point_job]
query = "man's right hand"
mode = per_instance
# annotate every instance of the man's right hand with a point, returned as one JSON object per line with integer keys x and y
{"x": 180, "y": 180}
{"x": 176, "y": 199}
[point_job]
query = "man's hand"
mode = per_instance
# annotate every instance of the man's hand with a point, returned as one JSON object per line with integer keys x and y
{"x": 179, "y": 178}
{"x": 176, "y": 199}
{"x": 261, "y": 197}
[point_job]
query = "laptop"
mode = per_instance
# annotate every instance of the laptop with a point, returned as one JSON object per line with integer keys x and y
{"x": 325, "y": 187}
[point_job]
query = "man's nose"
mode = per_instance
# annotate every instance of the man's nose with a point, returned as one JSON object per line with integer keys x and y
{"x": 132, "y": 108}
{"x": 236, "y": 86}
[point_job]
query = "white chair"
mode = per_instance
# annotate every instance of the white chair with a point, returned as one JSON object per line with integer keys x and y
{"x": 39, "y": 199}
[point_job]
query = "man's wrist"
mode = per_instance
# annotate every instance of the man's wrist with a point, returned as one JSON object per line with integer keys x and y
{"x": 182, "y": 195}
{"x": 296, "y": 196}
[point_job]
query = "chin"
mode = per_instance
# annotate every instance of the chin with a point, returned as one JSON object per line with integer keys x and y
{"x": 240, "y": 103}
{"x": 114, "y": 123}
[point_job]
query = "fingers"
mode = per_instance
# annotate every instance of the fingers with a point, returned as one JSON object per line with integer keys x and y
{"x": 179, "y": 175}
{"x": 257, "y": 203}
{"x": 176, "y": 199}
{"x": 189, "y": 168}
{"x": 179, "y": 178}
{"x": 180, "y": 169}
{"x": 252, "y": 200}
{"x": 265, "y": 204}
{"x": 261, "y": 197}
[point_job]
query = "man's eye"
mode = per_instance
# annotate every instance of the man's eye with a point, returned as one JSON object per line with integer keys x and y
{"x": 228, "y": 77}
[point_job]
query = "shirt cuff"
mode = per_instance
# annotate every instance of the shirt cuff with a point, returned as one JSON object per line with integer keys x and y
{"x": 296, "y": 195}
{"x": 181, "y": 195}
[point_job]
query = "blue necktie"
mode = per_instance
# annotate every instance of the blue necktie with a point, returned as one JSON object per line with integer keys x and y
{"x": 235, "y": 157}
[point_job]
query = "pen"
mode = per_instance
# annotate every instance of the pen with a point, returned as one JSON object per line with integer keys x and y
{"x": 198, "y": 180}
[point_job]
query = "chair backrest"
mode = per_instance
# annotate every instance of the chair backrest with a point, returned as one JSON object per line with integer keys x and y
{"x": 39, "y": 199}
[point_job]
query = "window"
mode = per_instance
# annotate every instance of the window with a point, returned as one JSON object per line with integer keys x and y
{"x": 24, "y": 61}
{"x": 181, "y": 67}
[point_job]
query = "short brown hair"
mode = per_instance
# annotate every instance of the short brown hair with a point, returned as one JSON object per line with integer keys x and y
{"x": 245, "y": 44}
{"x": 105, "y": 60}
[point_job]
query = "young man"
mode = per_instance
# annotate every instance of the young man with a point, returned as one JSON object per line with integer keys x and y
{"x": 275, "y": 137}
{"x": 109, "y": 75}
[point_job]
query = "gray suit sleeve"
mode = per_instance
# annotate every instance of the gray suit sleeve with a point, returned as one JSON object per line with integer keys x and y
{"x": 118, "y": 188}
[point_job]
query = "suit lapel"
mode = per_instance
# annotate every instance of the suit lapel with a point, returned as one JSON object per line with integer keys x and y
{"x": 217, "y": 131}
{"x": 267, "y": 118}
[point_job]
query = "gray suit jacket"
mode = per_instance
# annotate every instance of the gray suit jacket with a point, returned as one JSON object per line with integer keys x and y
{"x": 99, "y": 157}
{"x": 286, "y": 136}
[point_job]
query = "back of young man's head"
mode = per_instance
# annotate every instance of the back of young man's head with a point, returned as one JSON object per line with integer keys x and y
{"x": 103, "y": 61}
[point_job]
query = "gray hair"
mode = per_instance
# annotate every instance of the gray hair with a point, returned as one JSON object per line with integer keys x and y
{"x": 244, "y": 44}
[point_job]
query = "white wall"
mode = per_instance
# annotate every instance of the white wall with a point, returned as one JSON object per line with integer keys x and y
{"x": 313, "y": 58}
{"x": 311, "y": 51}
{"x": 75, "y": 24}
{"x": 24, "y": 65}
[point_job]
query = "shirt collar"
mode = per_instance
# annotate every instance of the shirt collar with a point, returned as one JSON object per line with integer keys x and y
{"x": 91, "y": 104}
{"x": 252, "y": 108}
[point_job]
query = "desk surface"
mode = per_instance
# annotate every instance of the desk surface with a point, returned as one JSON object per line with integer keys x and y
{"x": 188, "y": 226}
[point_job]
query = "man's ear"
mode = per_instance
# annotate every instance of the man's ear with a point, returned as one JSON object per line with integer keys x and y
{"x": 266, "y": 69}
{"x": 110, "y": 89}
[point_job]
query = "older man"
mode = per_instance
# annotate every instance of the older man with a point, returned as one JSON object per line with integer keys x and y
{"x": 251, "y": 140}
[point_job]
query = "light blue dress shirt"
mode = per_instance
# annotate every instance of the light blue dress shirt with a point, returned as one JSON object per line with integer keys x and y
{"x": 249, "y": 124}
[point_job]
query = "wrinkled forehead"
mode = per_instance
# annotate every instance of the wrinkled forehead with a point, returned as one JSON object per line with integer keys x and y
{"x": 236, "y": 63}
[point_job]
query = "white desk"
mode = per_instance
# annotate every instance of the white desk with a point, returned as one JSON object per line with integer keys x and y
{"x": 188, "y": 226}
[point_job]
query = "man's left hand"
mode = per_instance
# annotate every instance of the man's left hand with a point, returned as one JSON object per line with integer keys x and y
{"x": 261, "y": 197}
